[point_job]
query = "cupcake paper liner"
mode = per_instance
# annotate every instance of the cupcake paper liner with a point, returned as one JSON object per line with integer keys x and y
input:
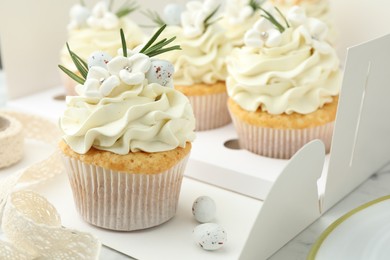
{"x": 124, "y": 201}
{"x": 210, "y": 111}
{"x": 280, "y": 143}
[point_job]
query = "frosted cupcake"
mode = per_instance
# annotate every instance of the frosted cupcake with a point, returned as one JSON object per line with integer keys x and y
{"x": 200, "y": 66}
{"x": 127, "y": 138}
{"x": 283, "y": 85}
{"x": 238, "y": 17}
{"x": 97, "y": 30}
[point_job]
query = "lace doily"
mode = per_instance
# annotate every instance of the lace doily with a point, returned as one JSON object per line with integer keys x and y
{"x": 11, "y": 140}
{"x": 29, "y": 222}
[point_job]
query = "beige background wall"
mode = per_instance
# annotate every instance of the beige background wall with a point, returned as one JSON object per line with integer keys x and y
{"x": 32, "y": 33}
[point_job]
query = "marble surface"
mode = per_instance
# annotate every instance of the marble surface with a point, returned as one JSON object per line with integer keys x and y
{"x": 376, "y": 186}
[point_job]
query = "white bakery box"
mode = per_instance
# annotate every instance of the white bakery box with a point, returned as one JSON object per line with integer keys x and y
{"x": 262, "y": 203}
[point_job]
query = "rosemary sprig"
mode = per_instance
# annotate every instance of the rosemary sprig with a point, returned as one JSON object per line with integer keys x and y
{"x": 124, "y": 45}
{"x": 72, "y": 75}
{"x": 283, "y": 17}
{"x": 127, "y": 8}
{"x": 207, "y": 21}
{"x": 154, "y": 17}
{"x": 152, "y": 49}
{"x": 273, "y": 20}
{"x": 80, "y": 64}
{"x": 256, "y": 4}
{"x": 82, "y": 3}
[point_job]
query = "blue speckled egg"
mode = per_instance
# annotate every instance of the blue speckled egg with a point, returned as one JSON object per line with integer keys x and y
{"x": 204, "y": 209}
{"x": 210, "y": 236}
{"x": 99, "y": 58}
{"x": 161, "y": 72}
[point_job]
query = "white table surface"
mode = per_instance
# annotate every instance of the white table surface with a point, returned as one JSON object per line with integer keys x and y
{"x": 377, "y": 186}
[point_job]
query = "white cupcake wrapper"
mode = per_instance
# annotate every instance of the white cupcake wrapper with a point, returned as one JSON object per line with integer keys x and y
{"x": 124, "y": 201}
{"x": 280, "y": 143}
{"x": 210, "y": 111}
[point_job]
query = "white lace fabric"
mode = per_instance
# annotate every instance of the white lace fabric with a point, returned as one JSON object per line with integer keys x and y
{"x": 30, "y": 224}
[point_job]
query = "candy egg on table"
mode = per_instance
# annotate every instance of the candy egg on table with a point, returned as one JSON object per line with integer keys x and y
{"x": 210, "y": 236}
{"x": 99, "y": 58}
{"x": 161, "y": 72}
{"x": 204, "y": 209}
{"x": 172, "y": 13}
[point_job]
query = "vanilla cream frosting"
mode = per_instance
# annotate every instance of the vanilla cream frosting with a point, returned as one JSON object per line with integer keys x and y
{"x": 319, "y": 9}
{"x": 237, "y": 19}
{"x": 85, "y": 40}
{"x": 144, "y": 117}
{"x": 298, "y": 73}
{"x": 202, "y": 58}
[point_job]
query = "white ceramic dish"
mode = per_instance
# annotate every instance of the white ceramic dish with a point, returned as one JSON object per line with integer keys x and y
{"x": 363, "y": 233}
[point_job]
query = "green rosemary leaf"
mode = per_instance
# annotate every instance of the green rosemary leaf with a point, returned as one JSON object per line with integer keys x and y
{"x": 284, "y": 18}
{"x": 206, "y": 21}
{"x": 124, "y": 46}
{"x": 273, "y": 20}
{"x": 153, "y": 39}
{"x": 154, "y": 17}
{"x": 125, "y": 11}
{"x": 126, "y": 8}
{"x": 72, "y": 75}
{"x": 175, "y": 47}
{"x": 159, "y": 45}
{"x": 82, "y": 2}
{"x": 255, "y": 4}
{"x": 80, "y": 68}
{"x": 81, "y": 65}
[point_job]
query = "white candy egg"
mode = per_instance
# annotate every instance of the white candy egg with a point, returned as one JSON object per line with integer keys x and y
{"x": 172, "y": 13}
{"x": 161, "y": 72}
{"x": 99, "y": 58}
{"x": 79, "y": 14}
{"x": 210, "y": 236}
{"x": 204, "y": 209}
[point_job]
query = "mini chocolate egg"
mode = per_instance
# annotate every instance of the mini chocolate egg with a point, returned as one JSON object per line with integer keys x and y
{"x": 204, "y": 209}
{"x": 99, "y": 58}
{"x": 172, "y": 14}
{"x": 210, "y": 236}
{"x": 161, "y": 72}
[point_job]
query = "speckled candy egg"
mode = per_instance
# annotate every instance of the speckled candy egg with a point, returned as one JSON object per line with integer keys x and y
{"x": 99, "y": 58}
{"x": 204, "y": 209}
{"x": 161, "y": 72}
{"x": 210, "y": 236}
{"x": 172, "y": 14}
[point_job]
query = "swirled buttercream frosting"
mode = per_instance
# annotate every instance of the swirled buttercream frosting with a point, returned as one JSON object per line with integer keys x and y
{"x": 295, "y": 70}
{"x": 203, "y": 43}
{"x": 202, "y": 59}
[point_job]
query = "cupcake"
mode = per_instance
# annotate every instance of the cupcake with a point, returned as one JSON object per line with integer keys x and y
{"x": 97, "y": 30}
{"x": 127, "y": 138}
{"x": 283, "y": 84}
{"x": 200, "y": 65}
